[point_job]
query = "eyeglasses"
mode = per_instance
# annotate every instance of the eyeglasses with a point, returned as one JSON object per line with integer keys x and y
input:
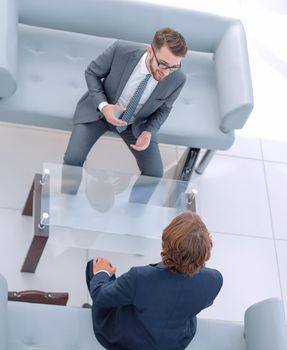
{"x": 163, "y": 65}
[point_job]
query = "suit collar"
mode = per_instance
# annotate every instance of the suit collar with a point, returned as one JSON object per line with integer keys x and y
{"x": 159, "y": 265}
{"x": 158, "y": 92}
{"x": 129, "y": 67}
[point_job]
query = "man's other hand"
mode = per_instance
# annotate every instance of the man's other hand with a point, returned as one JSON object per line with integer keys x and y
{"x": 143, "y": 141}
{"x": 103, "y": 264}
{"x": 110, "y": 111}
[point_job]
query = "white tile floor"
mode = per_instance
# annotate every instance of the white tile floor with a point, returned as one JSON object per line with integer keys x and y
{"x": 242, "y": 199}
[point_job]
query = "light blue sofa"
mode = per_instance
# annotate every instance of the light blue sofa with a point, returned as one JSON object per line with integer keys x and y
{"x": 44, "y": 53}
{"x": 25, "y": 326}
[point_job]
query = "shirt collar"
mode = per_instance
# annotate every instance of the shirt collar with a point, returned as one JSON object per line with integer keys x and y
{"x": 143, "y": 67}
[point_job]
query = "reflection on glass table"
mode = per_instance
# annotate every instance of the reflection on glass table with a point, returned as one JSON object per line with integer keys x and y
{"x": 108, "y": 210}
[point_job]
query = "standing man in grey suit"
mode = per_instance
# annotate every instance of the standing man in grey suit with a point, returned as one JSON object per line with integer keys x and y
{"x": 131, "y": 90}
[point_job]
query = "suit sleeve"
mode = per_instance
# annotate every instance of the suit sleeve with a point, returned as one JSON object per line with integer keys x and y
{"x": 113, "y": 293}
{"x": 212, "y": 286}
{"x": 155, "y": 120}
{"x": 96, "y": 71}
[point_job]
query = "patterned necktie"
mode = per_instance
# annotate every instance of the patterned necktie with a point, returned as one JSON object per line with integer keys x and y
{"x": 131, "y": 107}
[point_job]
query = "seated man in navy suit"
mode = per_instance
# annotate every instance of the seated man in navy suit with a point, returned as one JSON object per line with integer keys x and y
{"x": 154, "y": 307}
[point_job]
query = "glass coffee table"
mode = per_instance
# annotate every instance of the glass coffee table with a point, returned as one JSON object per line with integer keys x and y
{"x": 103, "y": 210}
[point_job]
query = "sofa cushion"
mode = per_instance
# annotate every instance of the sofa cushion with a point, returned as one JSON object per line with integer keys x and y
{"x": 50, "y": 327}
{"x": 218, "y": 335}
{"x": 50, "y": 76}
{"x": 47, "y": 327}
{"x": 51, "y": 81}
{"x": 195, "y": 117}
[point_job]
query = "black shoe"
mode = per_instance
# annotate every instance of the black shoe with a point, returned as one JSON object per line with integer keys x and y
{"x": 87, "y": 306}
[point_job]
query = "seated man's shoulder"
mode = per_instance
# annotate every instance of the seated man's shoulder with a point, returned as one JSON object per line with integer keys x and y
{"x": 212, "y": 275}
{"x": 146, "y": 269}
{"x": 182, "y": 75}
{"x": 130, "y": 46}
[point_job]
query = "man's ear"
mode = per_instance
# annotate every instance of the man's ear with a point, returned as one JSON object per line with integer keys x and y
{"x": 149, "y": 50}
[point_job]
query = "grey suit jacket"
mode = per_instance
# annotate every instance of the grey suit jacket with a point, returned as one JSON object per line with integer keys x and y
{"x": 106, "y": 78}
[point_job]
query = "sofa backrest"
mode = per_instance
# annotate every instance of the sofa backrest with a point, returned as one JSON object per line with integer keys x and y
{"x": 132, "y": 20}
{"x": 224, "y": 99}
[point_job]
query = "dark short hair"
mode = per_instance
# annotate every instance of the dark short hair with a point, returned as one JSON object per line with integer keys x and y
{"x": 172, "y": 39}
{"x": 186, "y": 244}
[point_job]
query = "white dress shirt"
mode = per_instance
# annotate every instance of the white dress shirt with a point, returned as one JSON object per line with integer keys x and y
{"x": 102, "y": 271}
{"x": 138, "y": 74}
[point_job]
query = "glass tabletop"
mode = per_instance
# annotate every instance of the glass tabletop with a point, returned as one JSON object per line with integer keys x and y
{"x": 109, "y": 210}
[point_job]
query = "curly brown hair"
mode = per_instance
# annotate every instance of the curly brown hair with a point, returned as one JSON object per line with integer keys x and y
{"x": 172, "y": 39}
{"x": 186, "y": 244}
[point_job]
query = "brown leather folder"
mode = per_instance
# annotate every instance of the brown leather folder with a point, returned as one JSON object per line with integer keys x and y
{"x": 37, "y": 296}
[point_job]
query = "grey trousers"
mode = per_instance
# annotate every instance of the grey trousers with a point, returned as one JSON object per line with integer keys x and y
{"x": 82, "y": 139}
{"x": 84, "y": 136}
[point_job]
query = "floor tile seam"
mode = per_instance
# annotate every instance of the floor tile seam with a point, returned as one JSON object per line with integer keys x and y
{"x": 272, "y": 228}
{"x": 41, "y": 129}
{"x": 281, "y": 239}
{"x": 10, "y": 208}
{"x": 267, "y": 193}
{"x": 274, "y": 162}
{"x": 248, "y": 235}
{"x": 240, "y": 157}
{"x": 262, "y": 153}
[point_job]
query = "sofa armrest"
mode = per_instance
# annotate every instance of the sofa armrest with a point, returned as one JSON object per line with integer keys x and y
{"x": 265, "y": 326}
{"x": 3, "y": 313}
{"x": 233, "y": 78}
{"x": 8, "y": 47}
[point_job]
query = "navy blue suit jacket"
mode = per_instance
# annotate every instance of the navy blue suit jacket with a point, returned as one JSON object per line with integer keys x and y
{"x": 150, "y": 307}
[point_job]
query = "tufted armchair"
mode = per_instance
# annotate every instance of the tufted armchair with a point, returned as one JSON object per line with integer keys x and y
{"x": 45, "y": 46}
{"x": 25, "y": 326}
